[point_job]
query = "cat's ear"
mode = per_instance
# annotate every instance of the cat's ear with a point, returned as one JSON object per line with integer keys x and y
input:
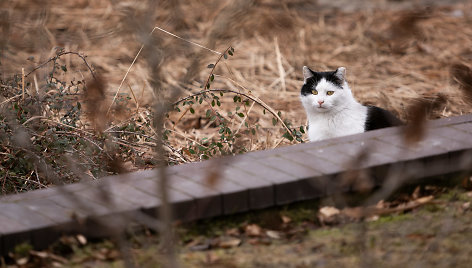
{"x": 341, "y": 74}
{"x": 307, "y": 73}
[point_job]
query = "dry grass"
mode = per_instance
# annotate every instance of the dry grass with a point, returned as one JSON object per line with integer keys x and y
{"x": 392, "y": 56}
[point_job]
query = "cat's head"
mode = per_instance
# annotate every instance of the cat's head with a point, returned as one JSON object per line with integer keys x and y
{"x": 324, "y": 91}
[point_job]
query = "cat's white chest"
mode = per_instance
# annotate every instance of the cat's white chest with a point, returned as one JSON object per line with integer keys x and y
{"x": 327, "y": 125}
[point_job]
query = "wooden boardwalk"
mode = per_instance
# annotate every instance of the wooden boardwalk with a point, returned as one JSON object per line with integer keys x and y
{"x": 234, "y": 184}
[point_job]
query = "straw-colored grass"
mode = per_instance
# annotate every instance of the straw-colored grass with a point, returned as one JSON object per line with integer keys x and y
{"x": 392, "y": 56}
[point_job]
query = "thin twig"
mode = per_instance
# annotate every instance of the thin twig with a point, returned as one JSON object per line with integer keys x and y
{"x": 139, "y": 52}
{"x": 57, "y": 123}
{"x": 131, "y": 132}
{"x": 188, "y": 41}
{"x": 207, "y": 85}
{"x": 23, "y": 83}
{"x": 10, "y": 99}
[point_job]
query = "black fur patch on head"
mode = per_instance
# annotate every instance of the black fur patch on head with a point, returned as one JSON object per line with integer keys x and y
{"x": 380, "y": 118}
{"x": 316, "y": 78}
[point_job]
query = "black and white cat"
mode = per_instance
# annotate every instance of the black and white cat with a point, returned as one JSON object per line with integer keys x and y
{"x": 332, "y": 111}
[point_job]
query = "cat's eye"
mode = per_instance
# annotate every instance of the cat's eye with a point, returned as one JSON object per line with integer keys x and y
{"x": 314, "y": 91}
{"x": 329, "y": 93}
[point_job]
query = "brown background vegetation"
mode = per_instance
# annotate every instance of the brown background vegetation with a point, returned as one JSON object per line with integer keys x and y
{"x": 396, "y": 52}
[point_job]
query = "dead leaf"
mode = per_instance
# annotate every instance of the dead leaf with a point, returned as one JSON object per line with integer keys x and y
{"x": 423, "y": 200}
{"x": 82, "y": 240}
{"x": 22, "y": 261}
{"x": 56, "y": 264}
{"x": 233, "y": 232}
{"x": 380, "y": 204}
{"x": 417, "y": 236}
{"x": 199, "y": 244}
{"x": 466, "y": 205}
{"x": 372, "y": 218}
{"x": 57, "y": 258}
{"x": 273, "y": 234}
{"x": 285, "y": 219}
{"x": 404, "y": 206}
{"x": 328, "y": 215}
{"x": 329, "y": 211}
{"x": 416, "y": 192}
{"x": 40, "y": 254}
{"x": 253, "y": 230}
{"x": 229, "y": 242}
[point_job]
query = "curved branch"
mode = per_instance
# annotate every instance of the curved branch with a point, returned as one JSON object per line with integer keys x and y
{"x": 60, "y": 54}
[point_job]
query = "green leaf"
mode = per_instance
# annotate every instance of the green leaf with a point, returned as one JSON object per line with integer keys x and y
{"x": 192, "y": 110}
{"x": 64, "y": 68}
{"x": 302, "y": 130}
{"x": 221, "y": 93}
{"x": 213, "y": 118}
{"x": 212, "y": 77}
{"x": 208, "y": 113}
{"x": 230, "y": 52}
{"x": 288, "y": 136}
{"x": 246, "y": 124}
{"x": 274, "y": 121}
{"x": 263, "y": 111}
{"x": 253, "y": 131}
{"x": 211, "y": 65}
{"x": 200, "y": 100}
{"x": 237, "y": 108}
{"x": 213, "y": 103}
{"x": 235, "y": 98}
{"x": 279, "y": 113}
{"x": 191, "y": 151}
{"x": 218, "y": 102}
{"x": 230, "y": 113}
{"x": 208, "y": 86}
{"x": 225, "y": 56}
{"x": 240, "y": 114}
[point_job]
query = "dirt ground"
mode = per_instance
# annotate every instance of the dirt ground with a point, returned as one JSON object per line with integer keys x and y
{"x": 437, "y": 234}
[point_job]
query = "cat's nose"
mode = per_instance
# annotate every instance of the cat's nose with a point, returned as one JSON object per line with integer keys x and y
{"x": 320, "y": 102}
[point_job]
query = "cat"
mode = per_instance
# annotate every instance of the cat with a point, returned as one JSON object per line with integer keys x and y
{"x": 332, "y": 110}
